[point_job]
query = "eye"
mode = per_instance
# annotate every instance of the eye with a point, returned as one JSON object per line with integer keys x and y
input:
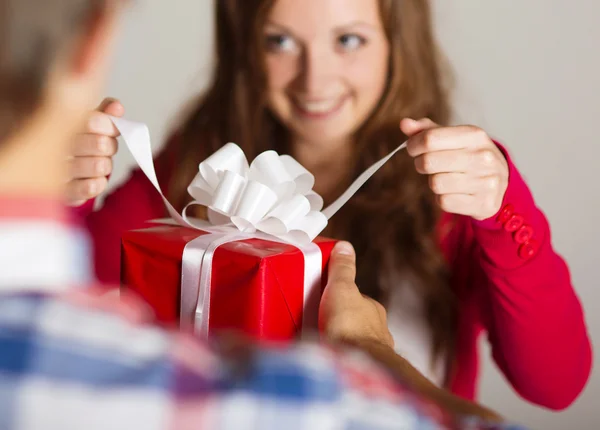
{"x": 351, "y": 42}
{"x": 280, "y": 43}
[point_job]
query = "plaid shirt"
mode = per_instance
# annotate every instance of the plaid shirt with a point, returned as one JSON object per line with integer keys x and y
{"x": 71, "y": 358}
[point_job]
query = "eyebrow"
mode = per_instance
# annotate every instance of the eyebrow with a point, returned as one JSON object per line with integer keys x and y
{"x": 354, "y": 24}
{"x": 338, "y": 29}
{"x": 281, "y": 27}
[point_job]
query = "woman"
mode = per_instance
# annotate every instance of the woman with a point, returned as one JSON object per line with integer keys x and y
{"x": 448, "y": 235}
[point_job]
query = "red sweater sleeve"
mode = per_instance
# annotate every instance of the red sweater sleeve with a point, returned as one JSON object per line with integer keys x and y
{"x": 533, "y": 316}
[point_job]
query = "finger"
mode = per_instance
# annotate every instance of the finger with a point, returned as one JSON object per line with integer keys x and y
{"x": 90, "y": 167}
{"x": 454, "y": 183}
{"x": 410, "y": 126}
{"x": 340, "y": 284}
{"x": 342, "y": 265}
{"x": 81, "y": 190}
{"x": 100, "y": 123}
{"x": 112, "y": 107}
{"x": 462, "y": 204}
{"x": 451, "y": 161}
{"x": 446, "y": 138}
{"x": 490, "y": 185}
{"x": 95, "y": 145}
{"x": 487, "y": 161}
{"x": 460, "y": 183}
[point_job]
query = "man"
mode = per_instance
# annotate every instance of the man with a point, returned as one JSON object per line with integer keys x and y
{"x": 71, "y": 358}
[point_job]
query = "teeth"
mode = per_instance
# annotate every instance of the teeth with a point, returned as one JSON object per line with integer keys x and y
{"x": 319, "y": 107}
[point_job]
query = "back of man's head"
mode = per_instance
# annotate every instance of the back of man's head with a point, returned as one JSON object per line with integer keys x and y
{"x": 33, "y": 35}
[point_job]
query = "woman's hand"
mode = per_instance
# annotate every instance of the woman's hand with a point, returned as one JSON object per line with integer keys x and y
{"x": 345, "y": 315}
{"x": 467, "y": 171}
{"x": 91, "y": 161}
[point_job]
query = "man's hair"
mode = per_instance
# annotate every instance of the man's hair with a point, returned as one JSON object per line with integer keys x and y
{"x": 32, "y": 34}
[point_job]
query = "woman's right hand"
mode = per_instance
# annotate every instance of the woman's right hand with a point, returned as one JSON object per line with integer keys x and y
{"x": 91, "y": 160}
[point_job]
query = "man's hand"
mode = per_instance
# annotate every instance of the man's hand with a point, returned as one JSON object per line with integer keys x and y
{"x": 345, "y": 314}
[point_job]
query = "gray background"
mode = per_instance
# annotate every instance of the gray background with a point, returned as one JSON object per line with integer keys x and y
{"x": 528, "y": 73}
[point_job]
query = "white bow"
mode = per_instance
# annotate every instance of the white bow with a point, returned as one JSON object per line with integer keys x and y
{"x": 273, "y": 194}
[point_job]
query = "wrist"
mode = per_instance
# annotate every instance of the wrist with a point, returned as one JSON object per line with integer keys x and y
{"x": 402, "y": 369}
{"x": 361, "y": 338}
{"x": 367, "y": 343}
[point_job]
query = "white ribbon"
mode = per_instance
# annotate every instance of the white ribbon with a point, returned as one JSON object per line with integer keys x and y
{"x": 198, "y": 253}
{"x": 273, "y": 195}
{"x": 196, "y": 280}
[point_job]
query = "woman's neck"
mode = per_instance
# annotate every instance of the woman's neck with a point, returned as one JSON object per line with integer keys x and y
{"x": 329, "y": 162}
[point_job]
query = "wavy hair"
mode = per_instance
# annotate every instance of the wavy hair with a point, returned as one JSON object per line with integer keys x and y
{"x": 392, "y": 220}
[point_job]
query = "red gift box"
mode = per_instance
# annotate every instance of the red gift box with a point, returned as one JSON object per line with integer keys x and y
{"x": 256, "y": 287}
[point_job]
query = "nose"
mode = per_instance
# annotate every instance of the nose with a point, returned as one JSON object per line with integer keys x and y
{"x": 319, "y": 69}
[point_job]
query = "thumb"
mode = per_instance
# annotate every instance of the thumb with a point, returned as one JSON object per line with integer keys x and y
{"x": 410, "y": 127}
{"x": 341, "y": 284}
{"x": 112, "y": 107}
{"x": 342, "y": 267}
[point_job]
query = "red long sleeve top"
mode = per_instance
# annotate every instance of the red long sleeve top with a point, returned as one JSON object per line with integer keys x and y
{"x": 512, "y": 285}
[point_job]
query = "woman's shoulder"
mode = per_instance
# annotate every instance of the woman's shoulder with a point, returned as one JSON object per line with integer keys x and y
{"x": 167, "y": 158}
{"x": 170, "y": 149}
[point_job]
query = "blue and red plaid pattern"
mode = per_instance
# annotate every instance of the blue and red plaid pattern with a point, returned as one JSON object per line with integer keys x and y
{"x": 74, "y": 359}
{"x": 68, "y": 362}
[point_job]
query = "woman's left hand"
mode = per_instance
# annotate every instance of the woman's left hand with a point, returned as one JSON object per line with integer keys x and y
{"x": 467, "y": 171}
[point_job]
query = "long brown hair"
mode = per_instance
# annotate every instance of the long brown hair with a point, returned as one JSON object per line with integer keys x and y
{"x": 392, "y": 220}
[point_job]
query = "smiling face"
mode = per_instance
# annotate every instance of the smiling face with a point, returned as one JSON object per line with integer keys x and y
{"x": 327, "y": 64}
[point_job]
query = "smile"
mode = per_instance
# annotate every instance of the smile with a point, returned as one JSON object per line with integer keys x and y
{"x": 319, "y": 109}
